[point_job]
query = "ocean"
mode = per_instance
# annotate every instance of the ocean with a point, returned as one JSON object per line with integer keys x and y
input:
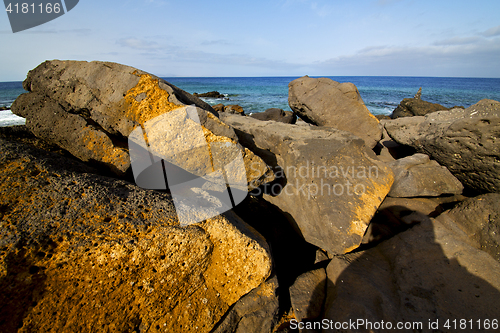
{"x": 381, "y": 94}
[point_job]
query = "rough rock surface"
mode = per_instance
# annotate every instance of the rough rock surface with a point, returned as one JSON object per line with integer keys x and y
{"x": 83, "y": 252}
{"x": 328, "y": 185}
{"x": 466, "y": 141}
{"x": 423, "y": 274}
{"x": 90, "y": 108}
{"x": 255, "y": 312}
{"x": 275, "y": 114}
{"x": 325, "y": 102}
{"x": 410, "y": 107}
{"x": 307, "y": 294}
{"x": 479, "y": 217}
{"x": 418, "y": 176}
{"x": 233, "y": 108}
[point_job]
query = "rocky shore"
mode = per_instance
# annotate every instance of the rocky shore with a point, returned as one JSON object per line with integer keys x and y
{"x": 347, "y": 218}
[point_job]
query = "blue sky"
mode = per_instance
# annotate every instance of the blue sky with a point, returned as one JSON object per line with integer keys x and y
{"x": 267, "y": 38}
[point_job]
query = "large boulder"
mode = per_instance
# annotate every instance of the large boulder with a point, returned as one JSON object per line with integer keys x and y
{"x": 466, "y": 141}
{"x": 418, "y": 176}
{"x": 328, "y": 183}
{"x": 425, "y": 275}
{"x": 82, "y": 252}
{"x": 90, "y": 108}
{"x": 479, "y": 218}
{"x": 325, "y": 102}
{"x": 410, "y": 107}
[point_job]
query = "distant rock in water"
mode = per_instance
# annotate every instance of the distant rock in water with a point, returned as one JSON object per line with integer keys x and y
{"x": 275, "y": 114}
{"x": 210, "y": 94}
{"x": 418, "y": 176}
{"x": 318, "y": 171}
{"x": 3, "y": 108}
{"x": 328, "y": 103}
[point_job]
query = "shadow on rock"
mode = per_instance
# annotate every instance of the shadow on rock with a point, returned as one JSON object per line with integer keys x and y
{"x": 426, "y": 274}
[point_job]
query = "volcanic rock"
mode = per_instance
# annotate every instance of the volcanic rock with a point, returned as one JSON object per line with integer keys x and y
{"x": 307, "y": 294}
{"x": 479, "y": 218}
{"x": 90, "y": 109}
{"x": 418, "y": 176}
{"x": 425, "y": 274}
{"x": 466, "y": 141}
{"x": 410, "y": 107}
{"x": 325, "y": 102}
{"x": 255, "y": 312}
{"x": 210, "y": 94}
{"x": 275, "y": 114}
{"x": 83, "y": 252}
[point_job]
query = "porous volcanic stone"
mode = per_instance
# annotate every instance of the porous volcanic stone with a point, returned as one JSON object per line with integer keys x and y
{"x": 425, "y": 274}
{"x": 325, "y": 102}
{"x": 479, "y": 217}
{"x": 410, "y": 107}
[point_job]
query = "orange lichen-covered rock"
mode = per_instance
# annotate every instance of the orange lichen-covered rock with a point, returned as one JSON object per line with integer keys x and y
{"x": 84, "y": 253}
{"x": 90, "y": 108}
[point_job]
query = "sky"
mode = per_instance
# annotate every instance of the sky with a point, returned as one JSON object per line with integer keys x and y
{"x": 192, "y": 38}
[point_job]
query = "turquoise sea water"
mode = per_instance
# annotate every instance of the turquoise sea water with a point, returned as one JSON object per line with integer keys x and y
{"x": 381, "y": 94}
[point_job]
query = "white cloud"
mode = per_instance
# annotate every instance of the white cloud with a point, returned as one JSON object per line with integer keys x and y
{"x": 138, "y": 44}
{"x": 459, "y": 40}
{"x": 469, "y": 59}
{"x": 495, "y": 31}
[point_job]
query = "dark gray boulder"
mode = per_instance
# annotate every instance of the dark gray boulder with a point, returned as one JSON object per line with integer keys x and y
{"x": 479, "y": 218}
{"x": 275, "y": 114}
{"x": 425, "y": 274}
{"x": 465, "y": 141}
{"x": 325, "y": 102}
{"x": 418, "y": 176}
{"x": 410, "y": 107}
{"x": 90, "y": 109}
{"x": 328, "y": 183}
{"x": 210, "y": 94}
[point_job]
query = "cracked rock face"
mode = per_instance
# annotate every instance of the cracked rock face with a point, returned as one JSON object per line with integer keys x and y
{"x": 82, "y": 253}
{"x": 325, "y": 102}
{"x": 90, "y": 108}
